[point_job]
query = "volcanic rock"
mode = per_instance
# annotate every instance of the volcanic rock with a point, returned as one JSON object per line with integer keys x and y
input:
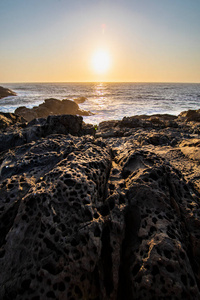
{"x": 8, "y": 119}
{"x": 191, "y": 148}
{"x": 128, "y": 125}
{"x": 91, "y": 218}
{"x": 190, "y": 115}
{"x": 4, "y": 92}
{"x": 39, "y": 128}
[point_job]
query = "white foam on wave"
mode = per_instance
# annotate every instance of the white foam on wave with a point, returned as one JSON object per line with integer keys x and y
{"x": 109, "y": 101}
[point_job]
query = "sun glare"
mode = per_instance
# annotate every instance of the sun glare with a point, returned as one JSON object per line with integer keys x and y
{"x": 101, "y": 62}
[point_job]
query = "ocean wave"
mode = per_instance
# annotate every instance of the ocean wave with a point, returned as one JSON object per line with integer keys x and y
{"x": 109, "y": 100}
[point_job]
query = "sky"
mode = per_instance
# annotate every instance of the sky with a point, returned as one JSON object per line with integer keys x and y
{"x": 57, "y": 40}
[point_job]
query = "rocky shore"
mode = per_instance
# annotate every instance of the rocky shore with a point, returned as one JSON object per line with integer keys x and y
{"x": 111, "y": 213}
{"x": 51, "y": 107}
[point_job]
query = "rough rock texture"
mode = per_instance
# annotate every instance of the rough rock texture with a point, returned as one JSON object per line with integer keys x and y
{"x": 167, "y": 135}
{"x": 91, "y": 218}
{"x": 4, "y": 92}
{"x": 39, "y": 128}
{"x": 190, "y": 115}
{"x": 8, "y": 119}
{"x": 51, "y": 107}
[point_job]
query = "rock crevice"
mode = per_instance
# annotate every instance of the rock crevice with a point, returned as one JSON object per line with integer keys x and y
{"x": 98, "y": 218}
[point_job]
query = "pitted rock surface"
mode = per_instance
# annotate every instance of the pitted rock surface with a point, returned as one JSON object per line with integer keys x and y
{"x": 158, "y": 259}
{"x": 39, "y": 128}
{"x": 9, "y": 119}
{"x": 52, "y": 241}
{"x": 87, "y": 218}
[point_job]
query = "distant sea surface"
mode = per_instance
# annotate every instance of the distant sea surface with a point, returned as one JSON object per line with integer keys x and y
{"x": 109, "y": 101}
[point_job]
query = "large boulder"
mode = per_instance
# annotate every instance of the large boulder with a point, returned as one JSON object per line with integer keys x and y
{"x": 26, "y": 113}
{"x": 63, "y": 246}
{"x": 51, "y": 107}
{"x": 159, "y": 218}
{"x": 4, "y": 92}
{"x": 79, "y": 221}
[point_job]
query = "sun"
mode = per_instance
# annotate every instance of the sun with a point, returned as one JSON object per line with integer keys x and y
{"x": 101, "y": 62}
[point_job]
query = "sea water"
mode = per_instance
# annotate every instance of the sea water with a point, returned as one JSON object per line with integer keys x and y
{"x": 109, "y": 101}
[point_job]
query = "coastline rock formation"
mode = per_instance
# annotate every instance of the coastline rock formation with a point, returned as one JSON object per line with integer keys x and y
{"x": 8, "y": 119}
{"x": 190, "y": 115}
{"x": 51, "y": 107}
{"x": 111, "y": 216}
{"x": 4, "y": 92}
{"x": 24, "y": 133}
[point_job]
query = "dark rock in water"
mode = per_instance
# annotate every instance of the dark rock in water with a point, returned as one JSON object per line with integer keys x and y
{"x": 51, "y": 107}
{"x": 8, "y": 119}
{"x": 87, "y": 218}
{"x": 68, "y": 105}
{"x": 80, "y": 100}
{"x": 4, "y": 92}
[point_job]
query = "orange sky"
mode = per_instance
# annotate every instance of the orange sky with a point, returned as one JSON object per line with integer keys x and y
{"x": 55, "y": 40}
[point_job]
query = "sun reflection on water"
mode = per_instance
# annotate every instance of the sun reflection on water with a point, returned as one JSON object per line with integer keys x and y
{"x": 100, "y": 99}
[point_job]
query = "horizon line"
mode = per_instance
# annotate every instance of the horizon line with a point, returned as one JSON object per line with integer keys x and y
{"x": 35, "y": 82}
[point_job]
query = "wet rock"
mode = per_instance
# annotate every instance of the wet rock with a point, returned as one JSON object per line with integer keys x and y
{"x": 4, "y": 92}
{"x": 51, "y": 107}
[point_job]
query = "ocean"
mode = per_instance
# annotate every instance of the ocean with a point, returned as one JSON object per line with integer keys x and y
{"x": 109, "y": 101}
